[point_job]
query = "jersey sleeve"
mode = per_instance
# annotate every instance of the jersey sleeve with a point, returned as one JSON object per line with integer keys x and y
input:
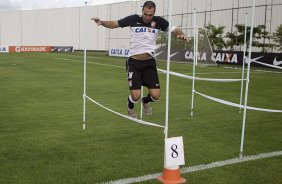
{"x": 163, "y": 24}
{"x": 127, "y": 21}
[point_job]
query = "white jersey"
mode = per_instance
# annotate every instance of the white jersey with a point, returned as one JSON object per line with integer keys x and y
{"x": 143, "y": 40}
{"x": 143, "y": 36}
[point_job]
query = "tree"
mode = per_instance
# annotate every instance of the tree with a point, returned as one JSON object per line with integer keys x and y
{"x": 277, "y": 37}
{"x": 259, "y": 34}
{"x": 237, "y": 39}
{"x": 215, "y": 35}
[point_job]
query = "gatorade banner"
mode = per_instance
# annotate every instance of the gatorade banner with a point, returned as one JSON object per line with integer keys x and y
{"x": 30, "y": 49}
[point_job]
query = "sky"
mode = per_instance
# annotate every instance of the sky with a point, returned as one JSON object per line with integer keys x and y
{"x": 45, "y": 4}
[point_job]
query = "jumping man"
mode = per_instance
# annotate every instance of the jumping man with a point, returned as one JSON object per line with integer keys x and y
{"x": 141, "y": 64}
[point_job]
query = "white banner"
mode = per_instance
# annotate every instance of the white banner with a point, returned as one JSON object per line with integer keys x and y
{"x": 120, "y": 52}
{"x": 4, "y": 49}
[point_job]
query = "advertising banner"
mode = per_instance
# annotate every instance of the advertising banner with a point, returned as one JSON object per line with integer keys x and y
{"x": 221, "y": 57}
{"x": 30, "y": 49}
{"x": 61, "y": 49}
{"x": 120, "y": 52}
{"x": 4, "y": 49}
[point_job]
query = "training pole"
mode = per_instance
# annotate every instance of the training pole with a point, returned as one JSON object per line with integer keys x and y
{"x": 194, "y": 62}
{"x": 167, "y": 82}
{"x": 167, "y": 76}
{"x": 171, "y": 173}
{"x": 84, "y": 71}
{"x": 244, "y": 59}
{"x": 167, "y": 71}
{"x": 197, "y": 42}
{"x": 247, "y": 82}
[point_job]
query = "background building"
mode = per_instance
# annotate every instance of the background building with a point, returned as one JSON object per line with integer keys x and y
{"x": 65, "y": 26}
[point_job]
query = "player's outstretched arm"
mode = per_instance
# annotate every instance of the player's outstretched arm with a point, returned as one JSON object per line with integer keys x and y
{"x": 107, "y": 24}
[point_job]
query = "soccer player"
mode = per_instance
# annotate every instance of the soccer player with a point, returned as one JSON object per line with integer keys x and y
{"x": 141, "y": 65}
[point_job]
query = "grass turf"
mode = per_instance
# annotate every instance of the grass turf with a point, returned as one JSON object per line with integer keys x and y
{"x": 42, "y": 141}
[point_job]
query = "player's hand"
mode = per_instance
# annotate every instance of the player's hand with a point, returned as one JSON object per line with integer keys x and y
{"x": 182, "y": 37}
{"x": 97, "y": 20}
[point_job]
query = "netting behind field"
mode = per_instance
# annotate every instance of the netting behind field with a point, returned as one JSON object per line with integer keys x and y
{"x": 183, "y": 51}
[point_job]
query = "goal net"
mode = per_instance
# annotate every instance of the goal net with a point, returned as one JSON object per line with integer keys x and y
{"x": 183, "y": 51}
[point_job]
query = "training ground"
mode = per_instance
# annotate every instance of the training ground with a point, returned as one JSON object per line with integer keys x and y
{"x": 42, "y": 140}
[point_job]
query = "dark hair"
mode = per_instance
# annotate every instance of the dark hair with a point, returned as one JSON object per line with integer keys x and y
{"x": 149, "y": 4}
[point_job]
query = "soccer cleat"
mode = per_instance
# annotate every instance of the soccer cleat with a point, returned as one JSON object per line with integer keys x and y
{"x": 132, "y": 113}
{"x": 147, "y": 108}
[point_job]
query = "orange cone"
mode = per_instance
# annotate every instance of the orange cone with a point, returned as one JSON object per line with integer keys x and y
{"x": 171, "y": 176}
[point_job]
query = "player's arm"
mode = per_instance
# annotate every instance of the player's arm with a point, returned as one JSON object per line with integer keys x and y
{"x": 176, "y": 31}
{"x": 107, "y": 24}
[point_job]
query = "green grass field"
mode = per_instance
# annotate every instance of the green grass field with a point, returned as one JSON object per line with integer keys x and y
{"x": 42, "y": 141}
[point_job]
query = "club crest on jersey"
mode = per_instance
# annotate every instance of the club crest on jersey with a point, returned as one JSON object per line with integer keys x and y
{"x": 153, "y": 24}
{"x": 145, "y": 29}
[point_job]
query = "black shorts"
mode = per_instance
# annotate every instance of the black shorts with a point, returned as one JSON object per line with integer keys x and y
{"x": 142, "y": 72}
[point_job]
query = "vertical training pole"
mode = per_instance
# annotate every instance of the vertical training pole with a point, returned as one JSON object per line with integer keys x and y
{"x": 141, "y": 109}
{"x": 171, "y": 174}
{"x": 194, "y": 62}
{"x": 168, "y": 70}
{"x": 84, "y": 70}
{"x": 197, "y": 39}
{"x": 167, "y": 81}
{"x": 244, "y": 59}
{"x": 247, "y": 82}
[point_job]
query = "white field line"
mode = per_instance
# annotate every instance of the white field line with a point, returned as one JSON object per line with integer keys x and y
{"x": 90, "y": 62}
{"x": 259, "y": 71}
{"x": 266, "y": 71}
{"x": 198, "y": 167}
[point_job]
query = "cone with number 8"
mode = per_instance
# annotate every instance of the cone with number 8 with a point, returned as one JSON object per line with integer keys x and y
{"x": 174, "y": 156}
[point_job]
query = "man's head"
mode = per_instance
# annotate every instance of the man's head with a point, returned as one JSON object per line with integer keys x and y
{"x": 148, "y": 11}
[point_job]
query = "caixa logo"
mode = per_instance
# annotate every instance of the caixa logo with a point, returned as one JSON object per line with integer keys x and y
{"x": 4, "y": 49}
{"x": 121, "y": 52}
{"x": 145, "y": 29}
